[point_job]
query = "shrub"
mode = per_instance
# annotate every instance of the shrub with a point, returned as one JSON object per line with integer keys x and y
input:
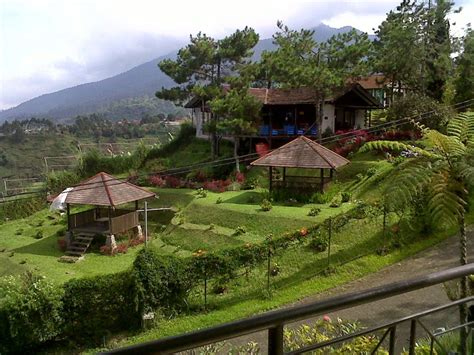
{"x": 219, "y": 200}
{"x": 371, "y": 172}
{"x": 314, "y": 211}
{"x": 336, "y": 201}
{"x": 96, "y": 306}
{"x": 274, "y": 269}
{"x": 359, "y": 177}
{"x": 156, "y": 180}
{"x": 345, "y": 196}
{"x": 56, "y": 182}
{"x": 266, "y": 205}
{"x": 318, "y": 243}
{"x": 201, "y": 193}
{"x": 62, "y": 244}
{"x": 319, "y": 198}
{"x": 161, "y": 281}
{"x": 39, "y": 235}
{"x": 122, "y": 248}
{"x": 30, "y": 312}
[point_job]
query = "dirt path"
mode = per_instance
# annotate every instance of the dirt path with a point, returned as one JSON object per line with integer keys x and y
{"x": 440, "y": 257}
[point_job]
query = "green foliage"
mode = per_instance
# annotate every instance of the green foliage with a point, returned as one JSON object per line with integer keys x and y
{"x": 464, "y": 82}
{"x": 186, "y": 132}
{"x": 345, "y": 196}
{"x": 96, "y": 306}
{"x": 266, "y": 205}
{"x": 406, "y": 27}
{"x": 314, "y": 211}
{"x": 413, "y": 105}
{"x": 320, "y": 198}
{"x": 30, "y": 312}
{"x": 21, "y": 208}
{"x": 161, "y": 281}
{"x": 56, "y": 182}
{"x": 326, "y": 329}
{"x": 318, "y": 242}
{"x": 201, "y": 193}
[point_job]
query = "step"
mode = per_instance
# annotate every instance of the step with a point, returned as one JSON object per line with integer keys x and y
{"x": 84, "y": 239}
{"x": 81, "y": 243}
{"x": 74, "y": 253}
{"x": 73, "y": 248}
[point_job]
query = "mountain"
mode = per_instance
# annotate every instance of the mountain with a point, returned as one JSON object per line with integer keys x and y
{"x": 138, "y": 83}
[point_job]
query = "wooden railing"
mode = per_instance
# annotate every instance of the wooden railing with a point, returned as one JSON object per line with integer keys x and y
{"x": 81, "y": 218}
{"x": 123, "y": 223}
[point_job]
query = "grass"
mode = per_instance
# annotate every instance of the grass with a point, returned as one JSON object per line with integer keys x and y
{"x": 287, "y": 292}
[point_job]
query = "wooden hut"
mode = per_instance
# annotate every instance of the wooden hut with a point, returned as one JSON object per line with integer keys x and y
{"x": 287, "y": 164}
{"x": 105, "y": 193}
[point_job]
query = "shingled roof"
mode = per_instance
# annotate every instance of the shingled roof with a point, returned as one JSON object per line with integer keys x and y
{"x": 302, "y": 152}
{"x": 105, "y": 190}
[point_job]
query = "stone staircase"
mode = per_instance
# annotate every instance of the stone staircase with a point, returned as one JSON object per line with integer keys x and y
{"x": 78, "y": 247}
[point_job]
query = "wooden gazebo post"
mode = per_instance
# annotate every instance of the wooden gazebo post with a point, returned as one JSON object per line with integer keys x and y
{"x": 322, "y": 180}
{"x": 68, "y": 211}
{"x": 270, "y": 175}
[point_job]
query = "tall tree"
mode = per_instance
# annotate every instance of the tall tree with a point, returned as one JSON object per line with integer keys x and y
{"x": 445, "y": 174}
{"x": 464, "y": 83}
{"x": 203, "y": 65}
{"x": 300, "y": 61}
{"x": 238, "y": 111}
{"x": 414, "y": 46}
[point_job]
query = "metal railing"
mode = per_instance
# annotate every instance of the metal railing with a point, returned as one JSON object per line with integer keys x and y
{"x": 274, "y": 321}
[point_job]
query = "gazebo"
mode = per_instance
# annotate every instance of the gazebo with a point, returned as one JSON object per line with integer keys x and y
{"x": 105, "y": 193}
{"x": 296, "y": 156}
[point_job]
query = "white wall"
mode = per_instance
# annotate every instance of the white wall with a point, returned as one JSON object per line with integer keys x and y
{"x": 359, "y": 119}
{"x": 329, "y": 112}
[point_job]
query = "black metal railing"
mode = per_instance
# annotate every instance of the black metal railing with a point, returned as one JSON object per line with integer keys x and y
{"x": 274, "y": 321}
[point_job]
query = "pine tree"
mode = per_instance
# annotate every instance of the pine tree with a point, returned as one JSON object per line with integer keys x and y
{"x": 464, "y": 83}
{"x": 202, "y": 67}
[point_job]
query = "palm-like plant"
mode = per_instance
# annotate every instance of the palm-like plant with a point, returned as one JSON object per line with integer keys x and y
{"x": 444, "y": 171}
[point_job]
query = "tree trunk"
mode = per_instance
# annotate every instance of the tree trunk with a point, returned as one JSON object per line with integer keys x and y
{"x": 236, "y": 154}
{"x": 463, "y": 333}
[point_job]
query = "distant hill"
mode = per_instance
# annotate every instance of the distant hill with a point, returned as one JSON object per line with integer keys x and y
{"x": 112, "y": 96}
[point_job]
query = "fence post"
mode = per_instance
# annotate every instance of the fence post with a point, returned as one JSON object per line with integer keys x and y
{"x": 393, "y": 337}
{"x": 412, "y": 337}
{"x": 146, "y": 224}
{"x": 275, "y": 340}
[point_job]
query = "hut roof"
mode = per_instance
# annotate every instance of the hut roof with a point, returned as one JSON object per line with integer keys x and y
{"x": 105, "y": 190}
{"x": 302, "y": 152}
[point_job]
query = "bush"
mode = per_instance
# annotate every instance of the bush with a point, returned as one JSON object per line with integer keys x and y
{"x": 39, "y": 235}
{"x": 30, "y": 312}
{"x": 266, "y": 205}
{"x": 371, "y": 172}
{"x": 96, "y": 306}
{"x": 345, "y": 196}
{"x": 161, "y": 281}
{"x": 201, "y": 193}
{"x": 336, "y": 201}
{"x": 319, "y": 198}
{"x": 314, "y": 211}
{"x": 56, "y": 182}
{"x": 318, "y": 243}
{"x": 219, "y": 200}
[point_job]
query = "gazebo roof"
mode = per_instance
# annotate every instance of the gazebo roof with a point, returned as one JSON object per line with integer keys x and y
{"x": 302, "y": 152}
{"x": 105, "y": 190}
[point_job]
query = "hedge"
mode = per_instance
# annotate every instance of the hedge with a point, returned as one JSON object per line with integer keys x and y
{"x": 95, "y": 306}
{"x": 30, "y": 312}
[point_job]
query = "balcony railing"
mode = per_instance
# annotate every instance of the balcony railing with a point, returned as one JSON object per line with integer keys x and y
{"x": 275, "y": 321}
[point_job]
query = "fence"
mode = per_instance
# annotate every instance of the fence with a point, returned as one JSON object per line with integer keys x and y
{"x": 274, "y": 322}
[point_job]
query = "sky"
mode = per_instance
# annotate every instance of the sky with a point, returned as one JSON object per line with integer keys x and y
{"x": 48, "y": 45}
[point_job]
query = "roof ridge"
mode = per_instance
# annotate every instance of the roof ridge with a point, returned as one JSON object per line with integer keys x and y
{"x": 276, "y": 150}
{"x": 311, "y": 145}
{"x": 107, "y": 191}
